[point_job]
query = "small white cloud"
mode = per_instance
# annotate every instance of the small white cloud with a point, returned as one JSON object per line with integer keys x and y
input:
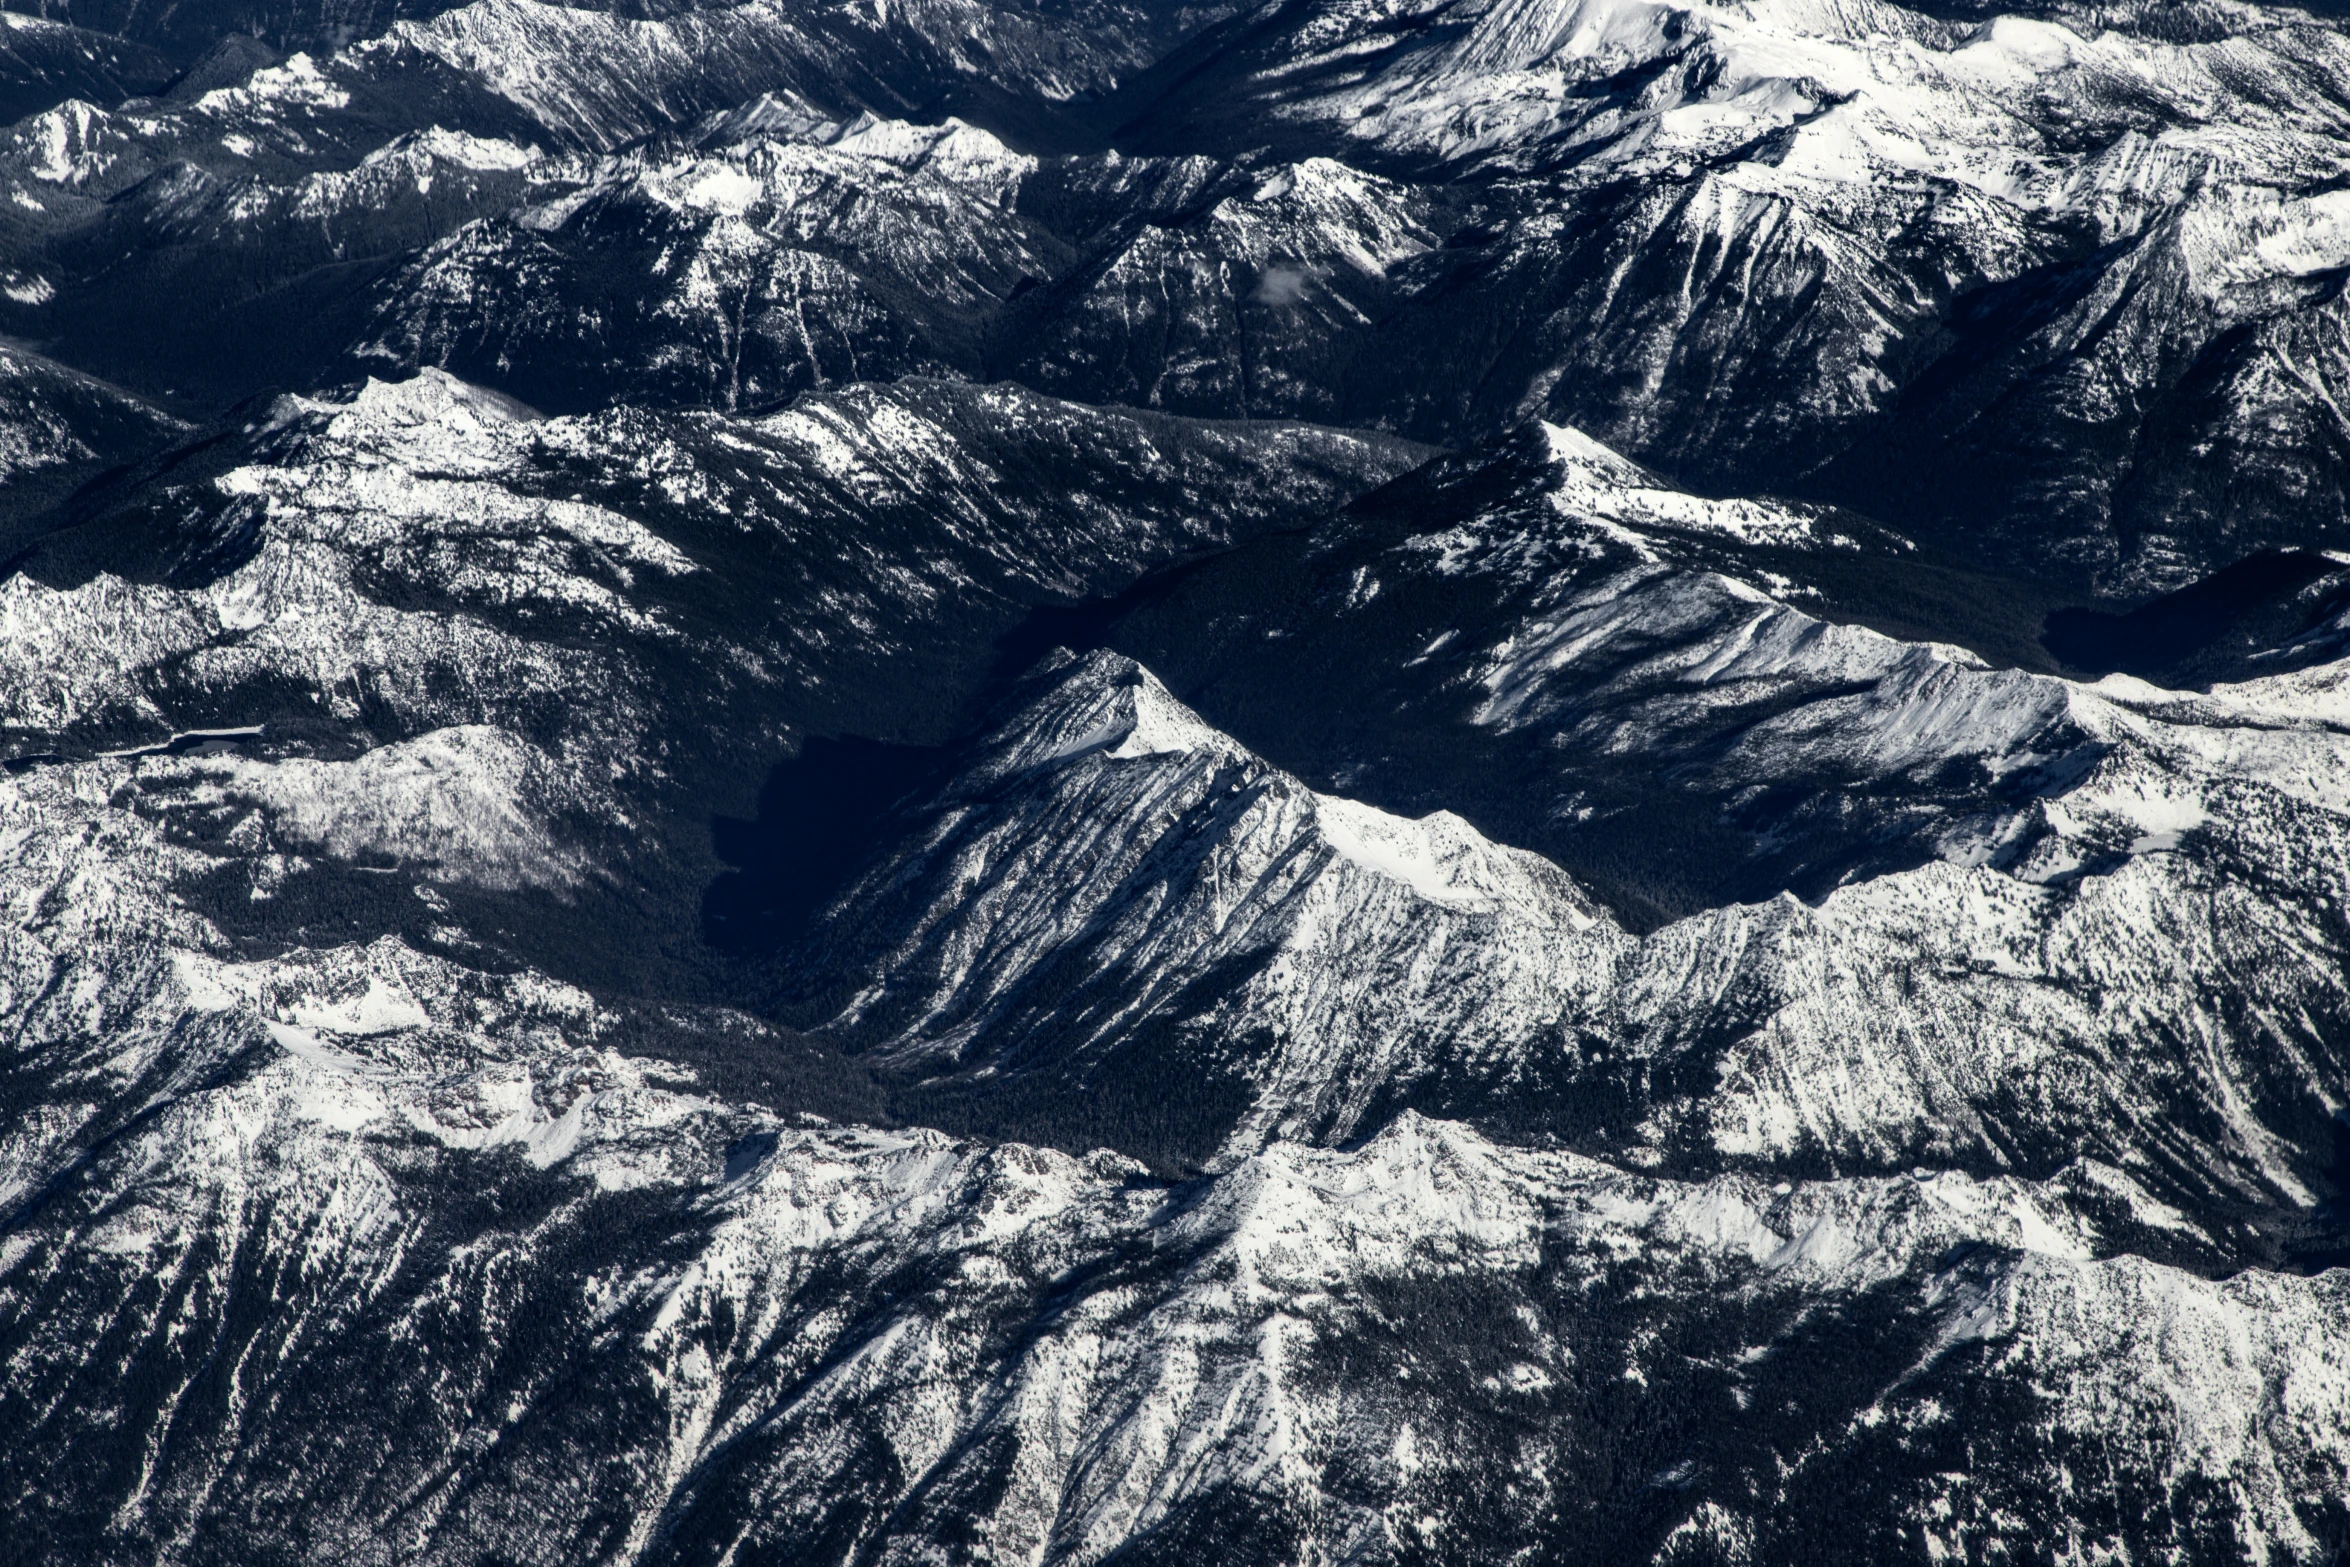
{"x": 1284, "y": 284}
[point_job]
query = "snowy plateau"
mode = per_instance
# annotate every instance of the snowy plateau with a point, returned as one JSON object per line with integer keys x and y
{"x": 1421, "y": 782}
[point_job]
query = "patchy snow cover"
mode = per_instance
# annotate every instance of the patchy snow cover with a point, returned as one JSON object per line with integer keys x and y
{"x": 1118, "y": 1356}
{"x": 2006, "y": 1009}
{"x": 471, "y": 803}
{"x": 387, "y": 1137}
{"x": 1597, "y": 485}
{"x": 776, "y": 256}
{"x": 1119, "y": 837}
{"x": 2095, "y": 1014}
{"x": 602, "y": 79}
{"x": 53, "y": 418}
{"x": 433, "y": 546}
{"x": 1843, "y": 96}
{"x": 1179, "y": 1352}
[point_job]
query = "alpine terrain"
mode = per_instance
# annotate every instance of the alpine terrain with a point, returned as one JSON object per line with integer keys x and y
{"x": 883, "y": 783}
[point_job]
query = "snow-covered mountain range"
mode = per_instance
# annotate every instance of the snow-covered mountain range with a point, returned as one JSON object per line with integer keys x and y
{"x": 2057, "y": 286}
{"x": 1098, "y": 781}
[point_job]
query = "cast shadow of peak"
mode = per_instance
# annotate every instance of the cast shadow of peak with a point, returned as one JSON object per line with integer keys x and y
{"x": 822, "y": 813}
{"x": 2274, "y": 610}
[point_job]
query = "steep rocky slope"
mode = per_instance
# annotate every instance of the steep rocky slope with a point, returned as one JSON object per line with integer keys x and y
{"x": 650, "y": 53}
{"x": 636, "y": 614}
{"x": 597, "y": 1309}
{"x": 58, "y": 426}
{"x": 735, "y": 278}
{"x": 594, "y": 1307}
{"x": 43, "y": 63}
{"x": 718, "y": 844}
{"x": 1112, "y": 899}
{"x": 289, "y": 1097}
{"x": 2057, "y": 288}
{"x": 1923, "y": 1180}
{"x": 1683, "y": 700}
{"x": 263, "y": 203}
{"x": 1986, "y": 265}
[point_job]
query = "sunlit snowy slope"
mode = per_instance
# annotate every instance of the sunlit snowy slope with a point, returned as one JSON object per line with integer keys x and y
{"x": 1108, "y": 782}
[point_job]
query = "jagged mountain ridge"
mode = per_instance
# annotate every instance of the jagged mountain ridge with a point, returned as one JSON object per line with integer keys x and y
{"x": 734, "y": 280}
{"x": 1930, "y": 223}
{"x": 1614, "y": 672}
{"x": 1612, "y": 1021}
{"x": 792, "y": 251}
{"x": 2016, "y": 266}
{"x": 1161, "y": 906}
{"x": 643, "y": 612}
{"x": 909, "y": 54}
{"x": 703, "y": 1330}
{"x": 411, "y": 1113}
{"x": 380, "y": 1085}
{"x": 43, "y": 63}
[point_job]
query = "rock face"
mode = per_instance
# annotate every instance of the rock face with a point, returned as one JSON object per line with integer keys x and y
{"x": 44, "y": 63}
{"x": 58, "y": 426}
{"x": 731, "y": 279}
{"x": 2013, "y": 263}
{"x": 2058, "y": 288}
{"x": 618, "y": 610}
{"x": 1164, "y": 908}
{"x": 587, "y": 1301}
{"x": 1486, "y": 781}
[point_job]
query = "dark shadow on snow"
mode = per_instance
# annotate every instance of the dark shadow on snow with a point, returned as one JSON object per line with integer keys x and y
{"x": 821, "y": 814}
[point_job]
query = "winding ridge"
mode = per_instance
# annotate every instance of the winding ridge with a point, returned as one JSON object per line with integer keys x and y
{"x": 1098, "y": 781}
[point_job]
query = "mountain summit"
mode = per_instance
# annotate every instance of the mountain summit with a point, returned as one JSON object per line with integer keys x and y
{"x": 1412, "y": 783}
